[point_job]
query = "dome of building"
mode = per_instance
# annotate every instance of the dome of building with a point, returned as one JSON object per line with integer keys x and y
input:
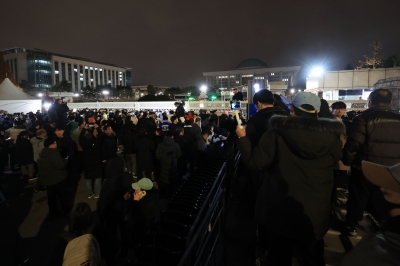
{"x": 251, "y": 63}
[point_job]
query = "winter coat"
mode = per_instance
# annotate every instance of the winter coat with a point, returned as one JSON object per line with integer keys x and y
{"x": 145, "y": 150}
{"x": 381, "y": 248}
{"x": 180, "y": 111}
{"x": 189, "y": 135}
{"x": 196, "y": 130}
{"x": 75, "y": 137}
{"x": 128, "y": 141}
{"x": 225, "y": 122}
{"x": 298, "y": 155}
{"x": 108, "y": 146}
{"x": 91, "y": 156}
{"x": 38, "y": 145}
{"x": 23, "y": 151}
{"x": 374, "y": 136}
{"x": 51, "y": 166}
{"x": 168, "y": 153}
{"x": 258, "y": 123}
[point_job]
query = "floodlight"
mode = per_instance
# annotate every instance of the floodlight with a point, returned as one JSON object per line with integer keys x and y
{"x": 105, "y": 92}
{"x": 292, "y": 91}
{"x": 46, "y": 105}
{"x": 256, "y": 87}
{"x": 316, "y": 72}
{"x": 203, "y": 88}
{"x": 40, "y": 94}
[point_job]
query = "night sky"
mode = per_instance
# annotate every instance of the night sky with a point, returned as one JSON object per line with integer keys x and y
{"x": 171, "y": 42}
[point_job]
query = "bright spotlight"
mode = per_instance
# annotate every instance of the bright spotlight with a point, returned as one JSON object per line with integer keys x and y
{"x": 316, "y": 72}
{"x": 203, "y": 88}
{"x": 105, "y": 92}
{"x": 76, "y": 94}
{"x": 46, "y": 105}
{"x": 40, "y": 94}
{"x": 292, "y": 91}
{"x": 256, "y": 87}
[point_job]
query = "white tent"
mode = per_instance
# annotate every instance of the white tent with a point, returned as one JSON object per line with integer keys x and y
{"x": 14, "y": 100}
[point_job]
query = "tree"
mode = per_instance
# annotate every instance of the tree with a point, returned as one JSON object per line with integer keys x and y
{"x": 151, "y": 90}
{"x": 392, "y": 61}
{"x": 375, "y": 61}
{"x": 348, "y": 67}
{"x": 154, "y": 98}
{"x": 64, "y": 85}
{"x": 193, "y": 90}
{"x": 171, "y": 92}
{"x": 88, "y": 92}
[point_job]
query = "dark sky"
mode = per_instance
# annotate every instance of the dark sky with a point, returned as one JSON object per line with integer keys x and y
{"x": 171, "y": 42}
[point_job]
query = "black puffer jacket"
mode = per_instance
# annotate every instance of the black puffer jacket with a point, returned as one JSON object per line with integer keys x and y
{"x": 258, "y": 124}
{"x": 91, "y": 154}
{"x": 298, "y": 155}
{"x": 373, "y": 136}
{"x": 168, "y": 153}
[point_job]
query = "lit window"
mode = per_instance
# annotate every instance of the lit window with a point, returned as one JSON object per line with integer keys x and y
{"x": 247, "y": 76}
{"x": 81, "y": 78}
{"x": 76, "y": 70}
{"x": 81, "y": 74}
{"x": 91, "y": 68}
{"x": 101, "y": 69}
{"x": 91, "y": 80}
{"x": 56, "y": 72}
{"x": 86, "y": 67}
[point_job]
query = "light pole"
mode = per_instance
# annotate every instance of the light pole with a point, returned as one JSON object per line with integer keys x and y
{"x": 105, "y": 93}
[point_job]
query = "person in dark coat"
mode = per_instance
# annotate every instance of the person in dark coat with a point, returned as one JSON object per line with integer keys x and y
{"x": 168, "y": 153}
{"x": 145, "y": 152}
{"x": 129, "y": 142}
{"x": 184, "y": 147}
{"x": 180, "y": 111}
{"x": 258, "y": 123}
{"x": 92, "y": 166}
{"x": 24, "y": 154}
{"x": 108, "y": 144}
{"x": 224, "y": 121}
{"x": 53, "y": 175}
{"x": 298, "y": 154}
{"x": 374, "y": 136}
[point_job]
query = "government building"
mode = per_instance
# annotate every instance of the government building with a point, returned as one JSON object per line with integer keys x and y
{"x": 43, "y": 69}
{"x": 251, "y": 72}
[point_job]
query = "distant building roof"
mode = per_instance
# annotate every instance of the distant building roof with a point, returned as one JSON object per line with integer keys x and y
{"x": 22, "y": 49}
{"x": 251, "y": 63}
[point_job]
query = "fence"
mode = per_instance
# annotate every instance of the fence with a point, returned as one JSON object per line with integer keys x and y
{"x": 356, "y": 105}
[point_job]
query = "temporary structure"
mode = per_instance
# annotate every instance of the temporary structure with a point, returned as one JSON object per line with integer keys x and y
{"x": 14, "y": 100}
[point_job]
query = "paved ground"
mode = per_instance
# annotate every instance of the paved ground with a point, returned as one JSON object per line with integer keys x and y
{"x": 28, "y": 210}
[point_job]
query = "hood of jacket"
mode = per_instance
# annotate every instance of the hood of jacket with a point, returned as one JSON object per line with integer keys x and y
{"x": 168, "y": 141}
{"x": 48, "y": 152}
{"x": 315, "y": 134}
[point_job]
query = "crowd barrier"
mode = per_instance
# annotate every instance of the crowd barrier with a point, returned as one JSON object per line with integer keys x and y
{"x": 356, "y": 105}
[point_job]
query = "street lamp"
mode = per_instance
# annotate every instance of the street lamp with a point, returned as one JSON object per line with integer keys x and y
{"x": 316, "y": 72}
{"x": 203, "y": 88}
{"x": 105, "y": 93}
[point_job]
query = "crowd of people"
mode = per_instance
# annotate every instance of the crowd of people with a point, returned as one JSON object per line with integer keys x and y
{"x": 294, "y": 162}
{"x": 123, "y": 157}
{"x": 293, "y": 158}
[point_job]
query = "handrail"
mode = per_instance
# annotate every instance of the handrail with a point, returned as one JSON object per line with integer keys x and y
{"x": 198, "y": 217}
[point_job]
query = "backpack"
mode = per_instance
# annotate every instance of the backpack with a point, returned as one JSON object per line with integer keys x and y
{"x": 82, "y": 251}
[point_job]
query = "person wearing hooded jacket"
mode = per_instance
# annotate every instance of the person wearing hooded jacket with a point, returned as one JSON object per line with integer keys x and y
{"x": 298, "y": 154}
{"x": 53, "y": 175}
{"x": 92, "y": 166}
{"x": 168, "y": 153}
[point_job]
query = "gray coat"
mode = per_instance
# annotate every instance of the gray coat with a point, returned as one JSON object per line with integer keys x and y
{"x": 38, "y": 145}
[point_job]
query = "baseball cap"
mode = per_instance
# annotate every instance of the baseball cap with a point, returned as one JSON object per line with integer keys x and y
{"x": 91, "y": 120}
{"x": 143, "y": 183}
{"x": 307, "y": 98}
{"x": 383, "y": 176}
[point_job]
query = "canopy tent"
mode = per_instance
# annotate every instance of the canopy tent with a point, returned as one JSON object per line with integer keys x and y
{"x": 14, "y": 100}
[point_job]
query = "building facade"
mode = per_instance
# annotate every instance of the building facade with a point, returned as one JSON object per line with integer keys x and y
{"x": 43, "y": 69}
{"x": 251, "y": 72}
{"x": 349, "y": 84}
